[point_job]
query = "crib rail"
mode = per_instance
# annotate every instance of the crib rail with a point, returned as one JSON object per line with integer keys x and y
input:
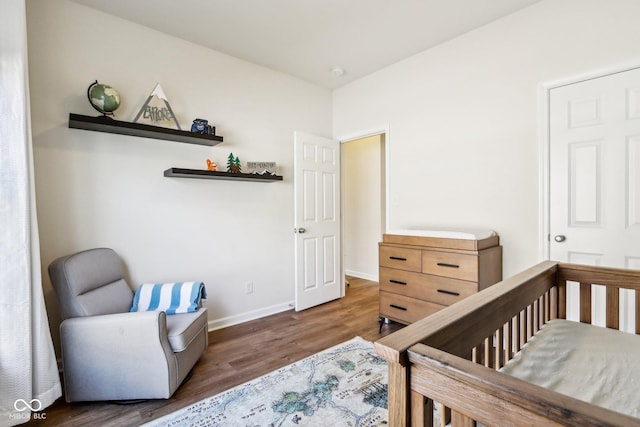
{"x": 613, "y": 279}
{"x": 497, "y": 349}
{"x": 485, "y": 331}
{"x": 479, "y": 394}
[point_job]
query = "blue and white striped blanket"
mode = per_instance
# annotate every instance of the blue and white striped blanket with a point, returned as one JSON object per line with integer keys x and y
{"x": 172, "y": 298}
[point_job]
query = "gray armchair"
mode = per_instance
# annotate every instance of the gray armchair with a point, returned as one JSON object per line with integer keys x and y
{"x": 109, "y": 353}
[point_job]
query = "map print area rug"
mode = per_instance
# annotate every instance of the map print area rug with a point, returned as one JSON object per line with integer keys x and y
{"x": 345, "y": 385}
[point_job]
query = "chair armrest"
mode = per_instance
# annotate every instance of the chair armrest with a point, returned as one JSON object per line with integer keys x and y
{"x": 119, "y": 352}
{"x": 136, "y": 329}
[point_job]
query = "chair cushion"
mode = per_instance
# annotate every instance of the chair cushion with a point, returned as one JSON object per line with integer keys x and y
{"x": 109, "y": 299}
{"x": 90, "y": 283}
{"x": 184, "y": 328}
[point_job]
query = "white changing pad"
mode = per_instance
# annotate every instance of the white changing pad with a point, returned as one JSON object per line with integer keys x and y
{"x": 442, "y": 233}
{"x": 591, "y": 363}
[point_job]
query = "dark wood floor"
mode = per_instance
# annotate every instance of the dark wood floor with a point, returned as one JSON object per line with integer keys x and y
{"x": 243, "y": 352}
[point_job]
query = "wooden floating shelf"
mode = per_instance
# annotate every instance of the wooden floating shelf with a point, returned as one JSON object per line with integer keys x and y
{"x": 108, "y": 125}
{"x": 207, "y": 174}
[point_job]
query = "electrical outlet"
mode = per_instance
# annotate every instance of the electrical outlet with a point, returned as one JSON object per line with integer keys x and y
{"x": 248, "y": 287}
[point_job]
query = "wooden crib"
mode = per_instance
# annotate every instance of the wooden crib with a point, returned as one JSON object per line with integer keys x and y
{"x": 453, "y": 356}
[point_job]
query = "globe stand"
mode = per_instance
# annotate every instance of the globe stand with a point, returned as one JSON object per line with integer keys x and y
{"x": 104, "y": 115}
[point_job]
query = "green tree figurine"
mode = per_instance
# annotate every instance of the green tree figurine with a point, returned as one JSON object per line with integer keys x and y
{"x": 230, "y": 162}
{"x": 233, "y": 164}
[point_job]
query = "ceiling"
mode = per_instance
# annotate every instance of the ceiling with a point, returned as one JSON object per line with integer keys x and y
{"x": 309, "y": 38}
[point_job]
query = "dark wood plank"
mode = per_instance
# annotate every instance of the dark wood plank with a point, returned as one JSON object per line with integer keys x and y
{"x": 240, "y": 353}
{"x": 228, "y": 176}
{"x": 109, "y": 125}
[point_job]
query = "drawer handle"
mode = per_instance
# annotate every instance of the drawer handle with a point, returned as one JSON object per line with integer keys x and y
{"x": 398, "y": 307}
{"x": 398, "y": 282}
{"x": 442, "y": 291}
{"x": 444, "y": 264}
{"x": 397, "y": 258}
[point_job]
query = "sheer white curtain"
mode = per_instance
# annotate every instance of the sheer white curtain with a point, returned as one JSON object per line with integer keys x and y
{"x": 28, "y": 370}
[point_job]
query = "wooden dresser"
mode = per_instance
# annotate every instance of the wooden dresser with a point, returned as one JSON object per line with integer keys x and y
{"x": 421, "y": 275}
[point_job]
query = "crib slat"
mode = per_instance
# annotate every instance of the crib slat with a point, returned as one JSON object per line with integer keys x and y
{"x": 511, "y": 339}
{"x": 536, "y": 316}
{"x": 421, "y": 410}
{"x": 585, "y": 302}
{"x": 499, "y": 356}
{"x": 488, "y": 354}
{"x": 540, "y": 311}
{"x": 547, "y": 308}
{"x": 518, "y": 332}
{"x": 445, "y": 416}
{"x": 477, "y": 354}
{"x": 555, "y": 303}
{"x": 461, "y": 420}
{"x": 523, "y": 327}
{"x": 562, "y": 300}
{"x": 613, "y": 307}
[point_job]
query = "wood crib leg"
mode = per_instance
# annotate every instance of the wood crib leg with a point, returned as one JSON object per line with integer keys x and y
{"x": 399, "y": 404}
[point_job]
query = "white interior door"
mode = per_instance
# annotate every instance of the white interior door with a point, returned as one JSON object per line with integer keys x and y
{"x": 594, "y": 183}
{"x": 317, "y": 220}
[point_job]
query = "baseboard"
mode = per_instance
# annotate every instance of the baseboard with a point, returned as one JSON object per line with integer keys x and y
{"x": 250, "y": 315}
{"x": 360, "y": 275}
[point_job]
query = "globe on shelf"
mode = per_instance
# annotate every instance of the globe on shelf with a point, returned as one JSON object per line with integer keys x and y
{"x": 103, "y": 98}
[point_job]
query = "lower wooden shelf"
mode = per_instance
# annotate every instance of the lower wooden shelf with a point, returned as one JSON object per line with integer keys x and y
{"x": 207, "y": 174}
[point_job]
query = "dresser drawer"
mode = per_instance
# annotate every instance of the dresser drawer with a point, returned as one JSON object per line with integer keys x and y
{"x": 401, "y": 258}
{"x": 405, "y": 309}
{"x": 426, "y": 287}
{"x": 450, "y": 264}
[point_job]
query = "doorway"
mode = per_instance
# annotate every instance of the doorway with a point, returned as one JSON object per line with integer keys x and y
{"x": 363, "y": 204}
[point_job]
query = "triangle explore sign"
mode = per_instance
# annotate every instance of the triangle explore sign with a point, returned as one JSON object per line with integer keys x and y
{"x": 157, "y": 111}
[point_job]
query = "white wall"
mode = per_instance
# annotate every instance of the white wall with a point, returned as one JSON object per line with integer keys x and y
{"x": 464, "y": 116}
{"x": 362, "y": 206}
{"x": 98, "y": 189}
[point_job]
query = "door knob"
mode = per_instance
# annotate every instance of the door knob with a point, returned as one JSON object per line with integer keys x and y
{"x": 300, "y": 230}
{"x": 560, "y": 238}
